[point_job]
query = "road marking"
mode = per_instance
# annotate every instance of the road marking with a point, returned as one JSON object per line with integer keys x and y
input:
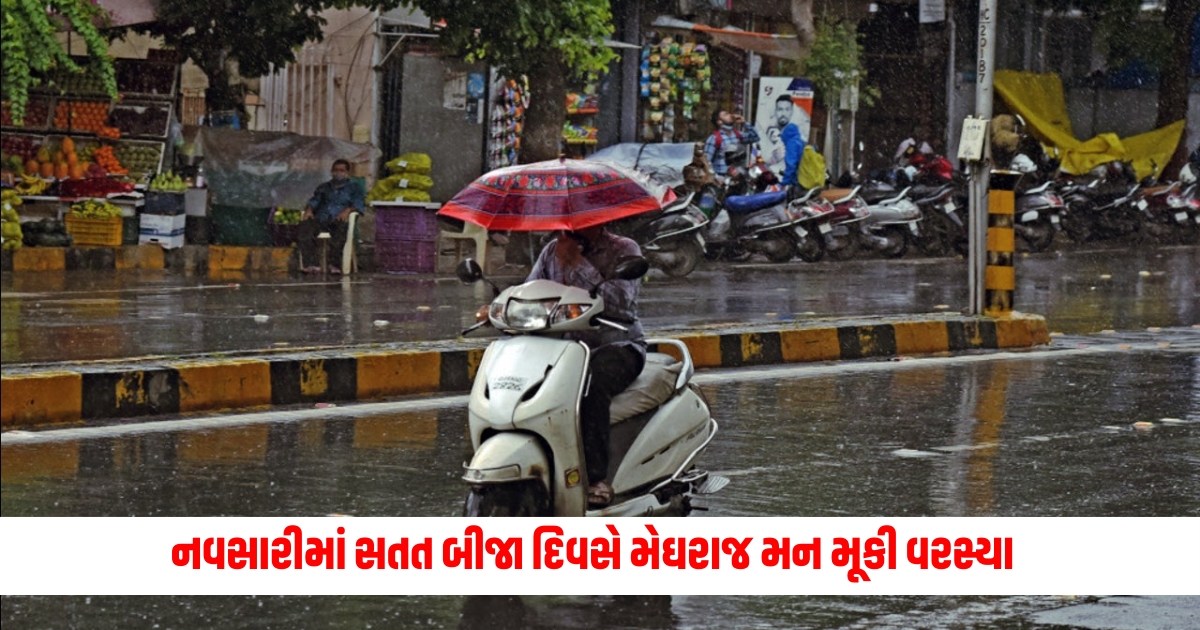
{"x": 728, "y": 375}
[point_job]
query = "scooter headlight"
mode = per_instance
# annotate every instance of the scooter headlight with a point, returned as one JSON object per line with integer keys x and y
{"x": 528, "y": 314}
{"x": 1176, "y": 201}
{"x": 567, "y": 312}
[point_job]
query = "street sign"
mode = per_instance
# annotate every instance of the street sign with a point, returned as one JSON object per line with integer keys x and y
{"x": 970, "y": 147}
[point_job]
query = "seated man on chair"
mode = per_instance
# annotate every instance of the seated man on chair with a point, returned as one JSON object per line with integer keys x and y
{"x": 329, "y": 211}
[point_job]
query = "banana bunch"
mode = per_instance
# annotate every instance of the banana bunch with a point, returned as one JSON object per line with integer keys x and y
{"x": 92, "y": 209}
{"x": 31, "y": 185}
{"x": 10, "y": 223}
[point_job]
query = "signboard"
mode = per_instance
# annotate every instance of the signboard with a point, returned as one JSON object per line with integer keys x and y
{"x": 782, "y": 101}
{"x": 932, "y": 11}
{"x": 970, "y": 146}
{"x": 454, "y": 90}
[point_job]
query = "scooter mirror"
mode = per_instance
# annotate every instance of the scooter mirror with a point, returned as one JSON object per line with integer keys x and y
{"x": 469, "y": 271}
{"x": 632, "y": 268}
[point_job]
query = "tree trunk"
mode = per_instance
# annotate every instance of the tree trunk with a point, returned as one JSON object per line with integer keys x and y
{"x": 802, "y": 21}
{"x": 220, "y": 95}
{"x": 542, "y": 136}
{"x": 1173, "y": 81}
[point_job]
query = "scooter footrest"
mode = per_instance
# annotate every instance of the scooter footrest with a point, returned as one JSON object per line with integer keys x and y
{"x": 712, "y": 485}
{"x": 692, "y": 476}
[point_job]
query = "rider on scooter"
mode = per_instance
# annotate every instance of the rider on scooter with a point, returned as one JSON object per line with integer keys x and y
{"x": 584, "y": 259}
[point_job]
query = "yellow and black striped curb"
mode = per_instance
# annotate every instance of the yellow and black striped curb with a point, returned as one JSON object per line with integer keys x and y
{"x": 110, "y": 392}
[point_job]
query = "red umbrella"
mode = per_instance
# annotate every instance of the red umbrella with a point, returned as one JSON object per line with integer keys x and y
{"x": 556, "y": 195}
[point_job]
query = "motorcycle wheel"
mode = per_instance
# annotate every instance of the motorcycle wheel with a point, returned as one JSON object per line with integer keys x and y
{"x": 811, "y": 248}
{"x": 1036, "y": 237}
{"x": 897, "y": 241}
{"x": 681, "y": 259}
{"x": 778, "y": 249}
{"x": 1076, "y": 224}
{"x": 843, "y": 247}
{"x": 525, "y": 498}
{"x": 934, "y": 237}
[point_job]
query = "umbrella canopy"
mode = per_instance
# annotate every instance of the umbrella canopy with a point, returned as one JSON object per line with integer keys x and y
{"x": 556, "y": 195}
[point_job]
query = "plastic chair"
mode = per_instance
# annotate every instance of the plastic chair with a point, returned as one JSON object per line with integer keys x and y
{"x": 349, "y": 260}
{"x": 470, "y": 232}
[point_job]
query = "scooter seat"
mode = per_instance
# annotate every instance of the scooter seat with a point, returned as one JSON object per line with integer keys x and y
{"x": 650, "y": 389}
{"x": 741, "y": 204}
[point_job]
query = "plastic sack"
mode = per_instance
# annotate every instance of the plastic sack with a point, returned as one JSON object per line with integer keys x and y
{"x": 812, "y": 168}
{"x": 409, "y": 179}
{"x": 411, "y": 162}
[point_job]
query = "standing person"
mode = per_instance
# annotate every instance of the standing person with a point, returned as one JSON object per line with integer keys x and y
{"x": 729, "y": 143}
{"x": 790, "y": 137}
{"x": 329, "y": 211}
{"x": 583, "y": 259}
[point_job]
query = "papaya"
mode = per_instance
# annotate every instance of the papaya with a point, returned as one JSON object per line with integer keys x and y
{"x": 68, "y": 146}
{"x": 46, "y": 170}
{"x": 43, "y": 155}
{"x": 77, "y": 171}
{"x": 58, "y": 157}
{"x": 32, "y": 167}
{"x": 72, "y": 159}
{"x": 62, "y": 171}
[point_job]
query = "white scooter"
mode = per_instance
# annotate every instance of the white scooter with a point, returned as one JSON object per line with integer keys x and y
{"x": 524, "y": 413}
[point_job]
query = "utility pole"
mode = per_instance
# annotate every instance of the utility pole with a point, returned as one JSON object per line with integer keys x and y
{"x": 978, "y": 219}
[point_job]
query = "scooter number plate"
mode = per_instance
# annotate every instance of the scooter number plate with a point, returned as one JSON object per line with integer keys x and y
{"x": 1181, "y": 216}
{"x": 1142, "y": 205}
{"x": 825, "y": 228}
{"x": 801, "y": 232}
{"x": 950, "y": 207}
{"x": 1054, "y": 219}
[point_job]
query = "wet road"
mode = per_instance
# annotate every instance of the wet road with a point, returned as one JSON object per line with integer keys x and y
{"x": 1046, "y": 433}
{"x": 50, "y": 317}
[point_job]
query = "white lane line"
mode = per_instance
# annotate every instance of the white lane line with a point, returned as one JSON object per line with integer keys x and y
{"x": 216, "y": 422}
{"x": 727, "y": 375}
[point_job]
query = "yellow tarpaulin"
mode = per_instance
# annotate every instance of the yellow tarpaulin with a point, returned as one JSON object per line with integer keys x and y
{"x": 1039, "y": 99}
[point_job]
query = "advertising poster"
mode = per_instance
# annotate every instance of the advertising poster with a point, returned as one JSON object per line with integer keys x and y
{"x": 782, "y": 101}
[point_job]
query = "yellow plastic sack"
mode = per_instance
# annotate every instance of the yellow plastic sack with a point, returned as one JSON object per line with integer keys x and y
{"x": 408, "y": 179}
{"x": 412, "y": 163}
{"x": 812, "y": 168}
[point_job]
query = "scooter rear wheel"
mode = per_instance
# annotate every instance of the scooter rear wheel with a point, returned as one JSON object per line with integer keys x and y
{"x": 681, "y": 259}
{"x": 525, "y": 498}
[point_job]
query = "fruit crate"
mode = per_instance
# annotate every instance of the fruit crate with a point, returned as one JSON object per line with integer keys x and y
{"x": 22, "y": 145}
{"x": 405, "y": 256}
{"x": 95, "y": 232}
{"x": 37, "y": 113}
{"x": 282, "y": 234}
{"x": 394, "y": 221}
{"x": 141, "y": 157}
{"x": 146, "y": 119}
{"x": 79, "y": 115}
{"x": 146, "y": 79}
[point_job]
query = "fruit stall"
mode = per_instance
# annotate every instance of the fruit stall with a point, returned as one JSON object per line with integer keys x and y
{"x": 77, "y": 146}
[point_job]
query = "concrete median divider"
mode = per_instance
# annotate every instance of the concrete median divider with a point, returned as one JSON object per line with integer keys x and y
{"x": 133, "y": 389}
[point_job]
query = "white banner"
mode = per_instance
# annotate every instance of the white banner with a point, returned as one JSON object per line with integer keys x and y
{"x": 577, "y": 556}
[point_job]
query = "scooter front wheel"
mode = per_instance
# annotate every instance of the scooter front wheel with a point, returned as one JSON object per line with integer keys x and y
{"x": 523, "y": 498}
{"x": 681, "y": 259}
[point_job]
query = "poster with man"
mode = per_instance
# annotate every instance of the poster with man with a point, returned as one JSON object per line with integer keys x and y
{"x": 782, "y": 101}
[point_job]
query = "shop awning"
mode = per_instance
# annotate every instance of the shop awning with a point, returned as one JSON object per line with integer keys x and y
{"x": 770, "y": 44}
{"x": 126, "y": 12}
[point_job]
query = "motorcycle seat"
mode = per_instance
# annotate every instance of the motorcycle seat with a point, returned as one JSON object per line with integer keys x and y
{"x": 742, "y": 204}
{"x": 838, "y": 195}
{"x": 653, "y": 387}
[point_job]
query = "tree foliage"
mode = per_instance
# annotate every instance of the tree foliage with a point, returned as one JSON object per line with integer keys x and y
{"x": 835, "y": 62}
{"x": 30, "y": 48}
{"x": 254, "y": 34}
{"x": 547, "y": 40}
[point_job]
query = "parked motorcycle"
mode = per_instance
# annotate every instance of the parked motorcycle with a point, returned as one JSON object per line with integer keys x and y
{"x": 883, "y": 227}
{"x": 523, "y": 413}
{"x": 1166, "y": 215}
{"x": 671, "y": 239}
{"x": 1039, "y": 215}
